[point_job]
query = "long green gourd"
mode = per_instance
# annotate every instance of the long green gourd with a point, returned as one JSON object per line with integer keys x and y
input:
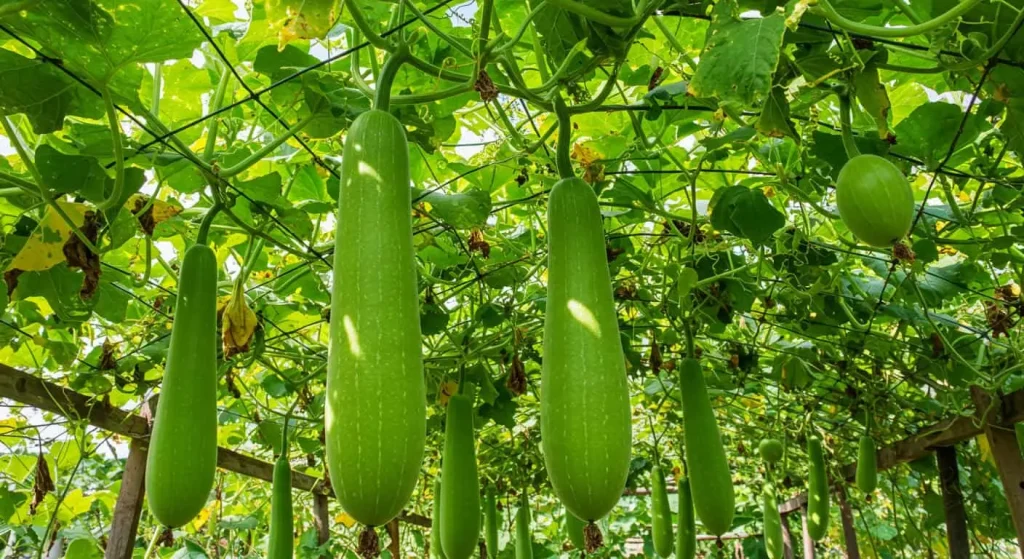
{"x": 661, "y": 515}
{"x": 817, "y": 491}
{"x": 772, "y": 522}
{"x": 460, "y": 488}
{"x": 585, "y": 415}
{"x": 710, "y": 478}
{"x": 574, "y": 527}
{"x": 867, "y": 465}
{"x": 182, "y": 459}
{"x": 280, "y": 544}
{"x": 686, "y": 536}
{"x": 524, "y": 540}
{"x": 436, "y": 549}
{"x": 376, "y": 398}
{"x": 491, "y": 522}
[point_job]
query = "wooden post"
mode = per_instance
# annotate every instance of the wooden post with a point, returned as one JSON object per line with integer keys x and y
{"x": 849, "y": 533}
{"x": 808, "y": 541}
{"x": 125, "y": 526}
{"x": 787, "y": 538}
{"x": 953, "y": 503}
{"x": 1003, "y": 442}
{"x": 322, "y": 518}
{"x": 394, "y": 546}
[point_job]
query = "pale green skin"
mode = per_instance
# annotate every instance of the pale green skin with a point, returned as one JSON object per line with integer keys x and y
{"x": 875, "y": 200}
{"x": 376, "y": 398}
{"x": 771, "y": 450}
{"x": 772, "y": 523}
{"x": 524, "y": 539}
{"x": 182, "y": 459}
{"x": 661, "y": 515}
{"x": 817, "y": 491}
{"x": 686, "y": 529}
{"x": 585, "y": 415}
{"x": 280, "y": 544}
{"x": 574, "y": 527}
{"x": 491, "y": 522}
{"x": 867, "y": 465}
{"x": 460, "y": 488}
{"x": 708, "y": 468}
{"x": 436, "y": 550}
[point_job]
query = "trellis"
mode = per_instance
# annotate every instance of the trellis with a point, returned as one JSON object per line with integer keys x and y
{"x": 994, "y": 418}
{"x": 16, "y": 384}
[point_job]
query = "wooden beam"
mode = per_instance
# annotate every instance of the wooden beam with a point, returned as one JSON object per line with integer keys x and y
{"x": 953, "y": 503}
{"x": 849, "y": 533}
{"x": 125, "y": 527}
{"x": 808, "y": 541}
{"x": 1002, "y": 440}
{"x": 322, "y": 518}
{"x": 944, "y": 433}
{"x": 787, "y": 539}
{"x": 27, "y": 389}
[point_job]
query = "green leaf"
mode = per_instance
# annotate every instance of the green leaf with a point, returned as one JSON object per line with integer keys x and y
{"x": 462, "y": 210}
{"x": 739, "y": 58}
{"x": 929, "y": 131}
{"x": 746, "y": 213}
{"x": 42, "y": 93}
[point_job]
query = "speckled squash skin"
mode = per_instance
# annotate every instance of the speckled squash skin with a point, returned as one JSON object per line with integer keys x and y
{"x": 376, "y": 397}
{"x": 817, "y": 491}
{"x": 586, "y": 421}
{"x": 875, "y": 200}
{"x": 182, "y": 458}
{"x": 708, "y": 468}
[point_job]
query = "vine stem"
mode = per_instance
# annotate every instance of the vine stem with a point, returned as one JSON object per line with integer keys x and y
{"x": 257, "y": 156}
{"x": 382, "y": 99}
{"x": 360, "y": 20}
{"x": 204, "y": 227}
{"x": 562, "y": 157}
{"x": 825, "y": 8}
{"x": 19, "y": 146}
{"x": 218, "y": 101}
{"x": 152, "y": 542}
{"x": 846, "y": 123}
{"x": 115, "y": 135}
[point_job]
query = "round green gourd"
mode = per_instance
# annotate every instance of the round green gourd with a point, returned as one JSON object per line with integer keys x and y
{"x": 710, "y": 478}
{"x": 686, "y": 536}
{"x": 280, "y": 544}
{"x": 867, "y": 465}
{"x": 585, "y": 415}
{"x": 460, "y": 488}
{"x": 771, "y": 450}
{"x": 772, "y": 523}
{"x": 436, "y": 549}
{"x": 491, "y": 522}
{"x": 817, "y": 491}
{"x": 875, "y": 200}
{"x": 661, "y": 515}
{"x": 182, "y": 459}
{"x": 376, "y": 398}
{"x": 524, "y": 540}
{"x": 574, "y": 526}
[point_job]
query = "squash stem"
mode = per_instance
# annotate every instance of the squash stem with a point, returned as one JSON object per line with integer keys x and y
{"x": 204, "y": 227}
{"x": 562, "y": 158}
{"x": 382, "y": 101}
{"x": 846, "y": 123}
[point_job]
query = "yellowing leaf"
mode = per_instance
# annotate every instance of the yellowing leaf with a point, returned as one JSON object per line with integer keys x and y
{"x": 239, "y": 323}
{"x": 45, "y": 248}
{"x": 593, "y": 172}
{"x": 157, "y": 212}
{"x": 447, "y": 389}
{"x": 200, "y": 520}
{"x": 302, "y": 19}
{"x": 985, "y": 450}
{"x": 345, "y": 519}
